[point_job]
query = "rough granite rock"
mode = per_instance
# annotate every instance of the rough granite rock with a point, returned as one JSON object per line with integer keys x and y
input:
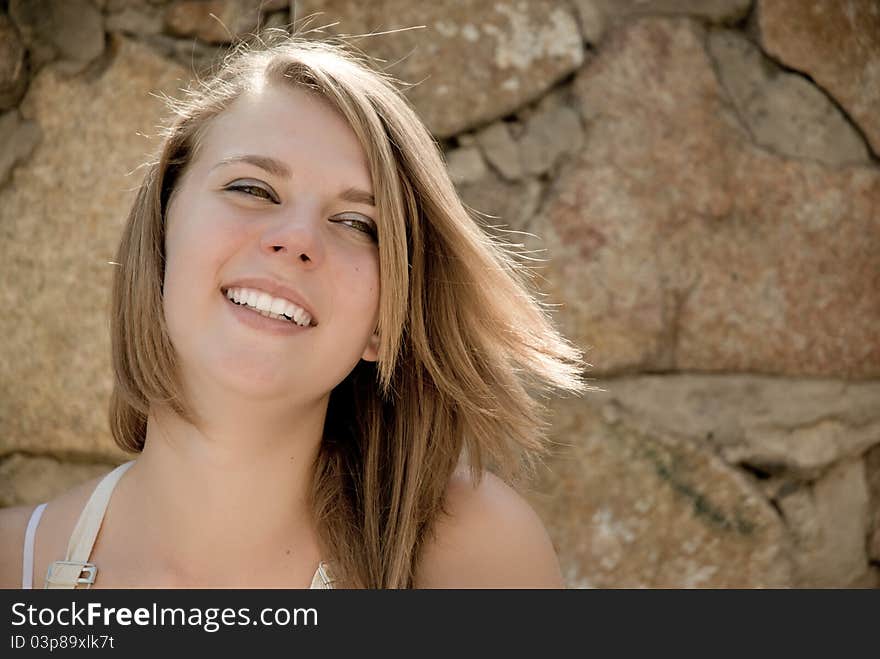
{"x": 677, "y": 244}
{"x": 549, "y": 134}
{"x": 783, "y": 111}
{"x": 29, "y": 480}
{"x": 466, "y": 165}
{"x": 18, "y": 138}
{"x": 501, "y": 203}
{"x": 628, "y": 508}
{"x": 196, "y": 57}
{"x": 217, "y": 21}
{"x": 136, "y": 19}
{"x": 115, "y": 6}
{"x": 596, "y": 16}
{"x": 837, "y": 44}
{"x": 68, "y": 29}
{"x": 13, "y": 66}
{"x": 872, "y": 470}
{"x": 59, "y": 227}
{"x": 501, "y": 149}
{"x": 829, "y": 524}
{"x": 471, "y": 61}
{"x": 772, "y": 425}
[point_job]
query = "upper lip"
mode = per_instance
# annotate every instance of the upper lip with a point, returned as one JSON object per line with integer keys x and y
{"x": 275, "y": 289}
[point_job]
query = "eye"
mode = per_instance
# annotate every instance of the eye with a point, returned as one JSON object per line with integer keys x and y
{"x": 252, "y": 191}
{"x": 363, "y": 225}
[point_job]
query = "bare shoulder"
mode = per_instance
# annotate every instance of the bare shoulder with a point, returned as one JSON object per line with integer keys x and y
{"x": 491, "y": 538}
{"x": 13, "y": 522}
{"x": 53, "y": 532}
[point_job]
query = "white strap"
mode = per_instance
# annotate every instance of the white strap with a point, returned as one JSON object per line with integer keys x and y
{"x": 69, "y": 572}
{"x": 27, "y": 563}
{"x": 89, "y": 523}
{"x": 322, "y": 579}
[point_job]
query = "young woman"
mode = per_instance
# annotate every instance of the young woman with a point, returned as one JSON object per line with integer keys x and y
{"x": 319, "y": 356}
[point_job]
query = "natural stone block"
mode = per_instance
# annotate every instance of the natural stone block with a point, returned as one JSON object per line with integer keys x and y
{"x": 18, "y": 138}
{"x": 59, "y": 227}
{"x": 629, "y": 508}
{"x": 676, "y": 244}
{"x": 872, "y": 470}
{"x": 597, "y": 15}
{"x": 13, "y": 67}
{"x": 767, "y": 424}
{"x": 27, "y": 480}
{"x": 139, "y": 19}
{"x": 592, "y": 20}
{"x": 196, "y": 57}
{"x": 837, "y": 44}
{"x": 190, "y": 18}
{"x": 783, "y": 111}
{"x": 500, "y": 202}
{"x": 496, "y": 56}
{"x": 466, "y": 165}
{"x": 216, "y": 21}
{"x": 70, "y": 29}
{"x": 501, "y": 150}
{"x": 829, "y": 522}
{"x": 549, "y": 134}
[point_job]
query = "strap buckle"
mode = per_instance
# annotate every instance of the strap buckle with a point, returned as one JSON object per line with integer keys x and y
{"x": 85, "y": 576}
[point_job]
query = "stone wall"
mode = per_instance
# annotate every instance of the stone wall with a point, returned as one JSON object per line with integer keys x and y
{"x": 701, "y": 177}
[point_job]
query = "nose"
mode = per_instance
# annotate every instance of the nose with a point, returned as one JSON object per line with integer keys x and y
{"x": 294, "y": 236}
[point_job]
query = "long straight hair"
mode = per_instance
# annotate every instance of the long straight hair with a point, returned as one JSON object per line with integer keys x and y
{"x": 467, "y": 351}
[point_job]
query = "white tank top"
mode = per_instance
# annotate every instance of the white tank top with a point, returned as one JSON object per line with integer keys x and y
{"x": 75, "y": 571}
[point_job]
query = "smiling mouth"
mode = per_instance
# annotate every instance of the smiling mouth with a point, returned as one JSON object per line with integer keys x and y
{"x": 281, "y": 317}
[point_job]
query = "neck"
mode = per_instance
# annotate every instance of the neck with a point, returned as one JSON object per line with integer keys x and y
{"x": 232, "y": 491}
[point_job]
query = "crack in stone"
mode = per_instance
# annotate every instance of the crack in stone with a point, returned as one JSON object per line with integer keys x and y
{"x": 786, "y": 68}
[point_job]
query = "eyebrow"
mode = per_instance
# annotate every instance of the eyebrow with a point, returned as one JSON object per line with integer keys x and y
{"x": 280, "y": 169}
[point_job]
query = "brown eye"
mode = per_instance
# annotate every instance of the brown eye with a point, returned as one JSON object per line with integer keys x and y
{"x": 360, "y": 225}
{"x": 252, "y": 191}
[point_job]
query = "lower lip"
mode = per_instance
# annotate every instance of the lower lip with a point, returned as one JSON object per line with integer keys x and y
{"x": 253, "y": 319}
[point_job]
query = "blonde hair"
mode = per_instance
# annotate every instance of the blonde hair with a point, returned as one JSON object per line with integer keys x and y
{"x": 466, "y": 348}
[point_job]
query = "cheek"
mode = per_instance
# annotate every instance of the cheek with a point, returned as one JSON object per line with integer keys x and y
{"x": 367, "y": 291}
{"x": 196, "y": 245}
{"x": 195, "y": 250}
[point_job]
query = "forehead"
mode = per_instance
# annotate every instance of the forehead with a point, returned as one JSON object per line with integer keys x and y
{"x": 293, "y": 125}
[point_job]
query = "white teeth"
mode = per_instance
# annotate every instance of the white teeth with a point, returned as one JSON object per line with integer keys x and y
{"x": 268, "y": 306}
{"x": 302, "y": 317}
{"x": 264, "y": 302}
{"x": 278, "y": 306}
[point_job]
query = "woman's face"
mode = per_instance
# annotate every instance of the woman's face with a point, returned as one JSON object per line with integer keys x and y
{"x": 277, "y": 203}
